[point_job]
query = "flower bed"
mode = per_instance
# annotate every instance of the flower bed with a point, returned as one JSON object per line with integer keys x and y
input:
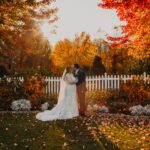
{"x": 32, "y": 89}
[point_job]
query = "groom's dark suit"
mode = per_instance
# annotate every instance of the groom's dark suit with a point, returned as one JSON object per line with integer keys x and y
{"x": 81, "y": 89}
{"x": 80, "y": 75}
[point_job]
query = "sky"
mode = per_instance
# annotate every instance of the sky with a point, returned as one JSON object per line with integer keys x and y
{"x": 76, "y": 16}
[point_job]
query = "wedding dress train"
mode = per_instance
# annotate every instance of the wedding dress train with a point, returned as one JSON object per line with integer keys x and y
{"x": 67, "y": 106}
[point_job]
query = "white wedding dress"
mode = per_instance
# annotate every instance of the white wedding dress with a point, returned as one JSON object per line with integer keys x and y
{"x": 67, "y": 106}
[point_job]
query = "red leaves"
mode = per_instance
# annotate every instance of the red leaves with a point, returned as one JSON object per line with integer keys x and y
{"x": 118, "y": 41}
{"x": 136, "y": 13}
{"x": 114, "y": 38}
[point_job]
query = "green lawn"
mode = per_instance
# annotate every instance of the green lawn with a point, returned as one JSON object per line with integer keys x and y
{"x": 97, "y": 132}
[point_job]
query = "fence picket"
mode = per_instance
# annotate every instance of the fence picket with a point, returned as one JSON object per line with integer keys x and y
{"x": 93, "y": 82}
{"x": 118, "y": 81}
{"x": 90, "y": 87}
{"x": 49, "y": 86}
{"x": 105, "y": 77}
{"x": 111, "y": 82}
{"x": 102, "y": 82}
{"x": 96, "y": 83}
{"x": 99, "y": 82}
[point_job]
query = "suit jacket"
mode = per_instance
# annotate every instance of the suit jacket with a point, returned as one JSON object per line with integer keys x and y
{"x": 80, "y": 75}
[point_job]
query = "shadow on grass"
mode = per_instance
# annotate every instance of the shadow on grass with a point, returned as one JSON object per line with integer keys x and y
{"x": 83, "y": 133}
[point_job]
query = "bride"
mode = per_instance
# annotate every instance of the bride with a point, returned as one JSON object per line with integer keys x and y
{"x": 67, "y": 106}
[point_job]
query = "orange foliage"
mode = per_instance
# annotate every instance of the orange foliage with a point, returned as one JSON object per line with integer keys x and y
{"x": 136, "y": 32}
{"x": 34, "y": 87}
{"x": 136, "y": 91}
{"x": 81, "y": 50}
{"x": 20, "y": 37}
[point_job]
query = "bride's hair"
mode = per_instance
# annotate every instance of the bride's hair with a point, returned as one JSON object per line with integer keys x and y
{"x": 67, "y": 70}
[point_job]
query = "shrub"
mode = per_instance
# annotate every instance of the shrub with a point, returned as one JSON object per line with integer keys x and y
{"x": 103, "y": 109}
{"x": 97, "y": 108}
{"x": 117, "y": 105}
{"x": 21, "y": 104}
{"x": 32, "y": 88}
{"x": 89, "y": 108}
{"x": 140, "y": 110}
{"x": 99, "y": 97}
{"x": 115, "y": 102}
{"x": 137, "y": 110}
{"x": 147, "y": 110}
{"x": 136, "y": 91}
{"x": 10, "y": 90}
{"x": 51, "y": 100}
{"x": 145, "y": 102}
{"x": 45, "y": 106}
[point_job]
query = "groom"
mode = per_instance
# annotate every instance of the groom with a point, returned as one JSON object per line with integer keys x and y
{"x": 81, "y": 88}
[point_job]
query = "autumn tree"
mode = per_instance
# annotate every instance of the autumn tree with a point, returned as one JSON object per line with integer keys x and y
{"x": 33, "y": 52}
{"x": 115, "y": 60}
{"x": 17, "y": 16}
{"x": 19, "y": 28}
{"x": 81, "y": 50}
{"x": 136, "y": 31}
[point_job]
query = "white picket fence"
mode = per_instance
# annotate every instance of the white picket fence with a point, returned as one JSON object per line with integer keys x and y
{"x": 102, "y": 82}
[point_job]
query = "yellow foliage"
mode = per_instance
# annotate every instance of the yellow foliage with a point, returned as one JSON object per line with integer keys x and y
{"x": 81, "y": 50}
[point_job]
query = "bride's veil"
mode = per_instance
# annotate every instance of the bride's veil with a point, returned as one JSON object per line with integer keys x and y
{"x": 62, "y": 87}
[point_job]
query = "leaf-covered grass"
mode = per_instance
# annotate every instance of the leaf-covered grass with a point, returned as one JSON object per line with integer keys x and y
{"x": 97, "y": 132}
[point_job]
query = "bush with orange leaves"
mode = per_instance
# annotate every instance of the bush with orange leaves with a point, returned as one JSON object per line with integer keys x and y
{"x": 136, "y": 91}
{"x": 34, "y": 87}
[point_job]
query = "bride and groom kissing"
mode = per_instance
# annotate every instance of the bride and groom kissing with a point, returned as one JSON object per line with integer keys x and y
{"x": 72, "y": 87}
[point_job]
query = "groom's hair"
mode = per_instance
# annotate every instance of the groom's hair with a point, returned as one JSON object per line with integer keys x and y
{"x": 76, "y": 66}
